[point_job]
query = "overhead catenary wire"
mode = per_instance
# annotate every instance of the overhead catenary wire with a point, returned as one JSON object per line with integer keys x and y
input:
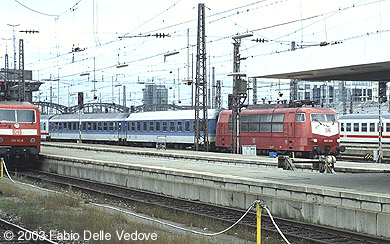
{"x": 46, "y": 14}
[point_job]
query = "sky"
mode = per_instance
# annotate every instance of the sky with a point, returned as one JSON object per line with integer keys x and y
{"x": 95, "y": 26}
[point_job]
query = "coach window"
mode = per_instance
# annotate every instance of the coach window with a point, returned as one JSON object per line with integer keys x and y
{"x": 356, "y": 127}
{"x": 145, "y": 126}
{"x": 265, "y": 122}
{"x": 187, "y": 126}
{"x": 138, "y": 126}
{"x": 165, "y": 126}
{"x": 348, "y": 127}
{"x": 132, "y": 126}
{"x": 151, "y": 126}
{"x": 254, "y": 123}
{"x": 364, "y": 127}
{"x": 89, "y": 126}
{"x": 158, "y": 126}
{"x": 342, "y": 126}
{"x": 387, "y": 127}
{"x": 99, "y": 126}
{"x": 244, "y": 127}
{"x": 179, "y": 126}
{"x": 244, "y": 122}
{"x": 301, "y": 117}
{"x": 277, "y": 122}
{"x": 172, "y": 126}
{"x": 105, "y": 126}
{"x": 372, "y": 127}
{"x": 110, "y": 126}
{"x": 84, "y": 125}
{"x": 60, "y": 126}
{"x": 95, "y": 126}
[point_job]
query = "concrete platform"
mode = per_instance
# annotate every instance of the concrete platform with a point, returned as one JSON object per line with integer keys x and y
{"x": 225, "y": 158}
{"x": 358, "y": 201}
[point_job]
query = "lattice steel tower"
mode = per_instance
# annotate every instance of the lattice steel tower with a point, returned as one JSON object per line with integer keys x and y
{"x": 201, "y": 118}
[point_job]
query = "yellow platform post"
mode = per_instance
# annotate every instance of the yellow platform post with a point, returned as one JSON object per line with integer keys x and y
{"x": 2, "y": 167}
{"x": 258, "y": 214}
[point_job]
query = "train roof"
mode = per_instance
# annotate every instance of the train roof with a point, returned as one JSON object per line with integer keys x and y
{"x": 16, "y": 104}
{"x": 254, "y": 110}
{"x": 89, "y": 117}
{"x": 177, "y": 114}
{"x": 362, "y": 116}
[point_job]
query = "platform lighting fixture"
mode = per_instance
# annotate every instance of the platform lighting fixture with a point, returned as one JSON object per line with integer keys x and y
{"x": 170, "y": 54}
{"x": 84, "y": 74}
{"x": 121, "y": 66}
{"x": 242, "y": 36}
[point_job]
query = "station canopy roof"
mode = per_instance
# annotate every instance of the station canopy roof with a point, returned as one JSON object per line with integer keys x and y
{"x": 361, "y": 60}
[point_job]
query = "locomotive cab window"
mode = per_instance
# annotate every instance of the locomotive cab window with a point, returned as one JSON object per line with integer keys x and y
{"x": 323, "y": 117}
{"x": 17, "y": 115}
{"x": 301, "y": 117}
{"x": 25, "y": 116}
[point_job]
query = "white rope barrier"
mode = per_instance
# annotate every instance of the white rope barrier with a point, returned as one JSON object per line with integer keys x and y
{"x": 175, "y": 226}
{"x": 276, "y": 226}
{"x": 172, "y": 225}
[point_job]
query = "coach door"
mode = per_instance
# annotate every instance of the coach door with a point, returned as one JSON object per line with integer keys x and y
{"x": 121, "y": 131}
{"x": 290, "y": 128}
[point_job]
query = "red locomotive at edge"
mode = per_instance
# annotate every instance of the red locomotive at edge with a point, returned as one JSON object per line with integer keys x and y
{"x": 20, "y": 134}
{"x": 306, "y": 131}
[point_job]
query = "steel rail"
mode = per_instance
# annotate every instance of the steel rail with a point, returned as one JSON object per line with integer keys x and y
{"x": 291, "y": 228}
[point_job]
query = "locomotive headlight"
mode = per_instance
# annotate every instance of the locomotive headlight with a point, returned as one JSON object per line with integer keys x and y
{"x": 16, "y": 126}
{"x": 338, "y": 140}
{"x": 1, "y": 139}
{"x": 315, "y": 140}
{"x": 32, "y": 140}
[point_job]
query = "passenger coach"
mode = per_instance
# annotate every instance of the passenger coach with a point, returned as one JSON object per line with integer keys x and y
{"x": 171, "y": 127}
{"x": 364, "y": 128}
{"x": 149, "y": 128}
{"x": 305, "y": 131}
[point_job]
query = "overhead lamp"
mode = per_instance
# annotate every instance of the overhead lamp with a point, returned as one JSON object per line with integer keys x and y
{"x": 121, "y": 66}
{"x": 84, "y": 74}
{"x": 170, "y": 54}
{"x": 237, "y": 74}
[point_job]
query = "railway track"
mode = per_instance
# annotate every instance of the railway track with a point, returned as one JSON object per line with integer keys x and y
{"x": 292, "y": 229}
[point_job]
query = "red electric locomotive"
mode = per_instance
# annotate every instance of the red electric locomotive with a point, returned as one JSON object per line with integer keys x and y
{"x": 306, "y": 131}
{"x": 20, "y": 135}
